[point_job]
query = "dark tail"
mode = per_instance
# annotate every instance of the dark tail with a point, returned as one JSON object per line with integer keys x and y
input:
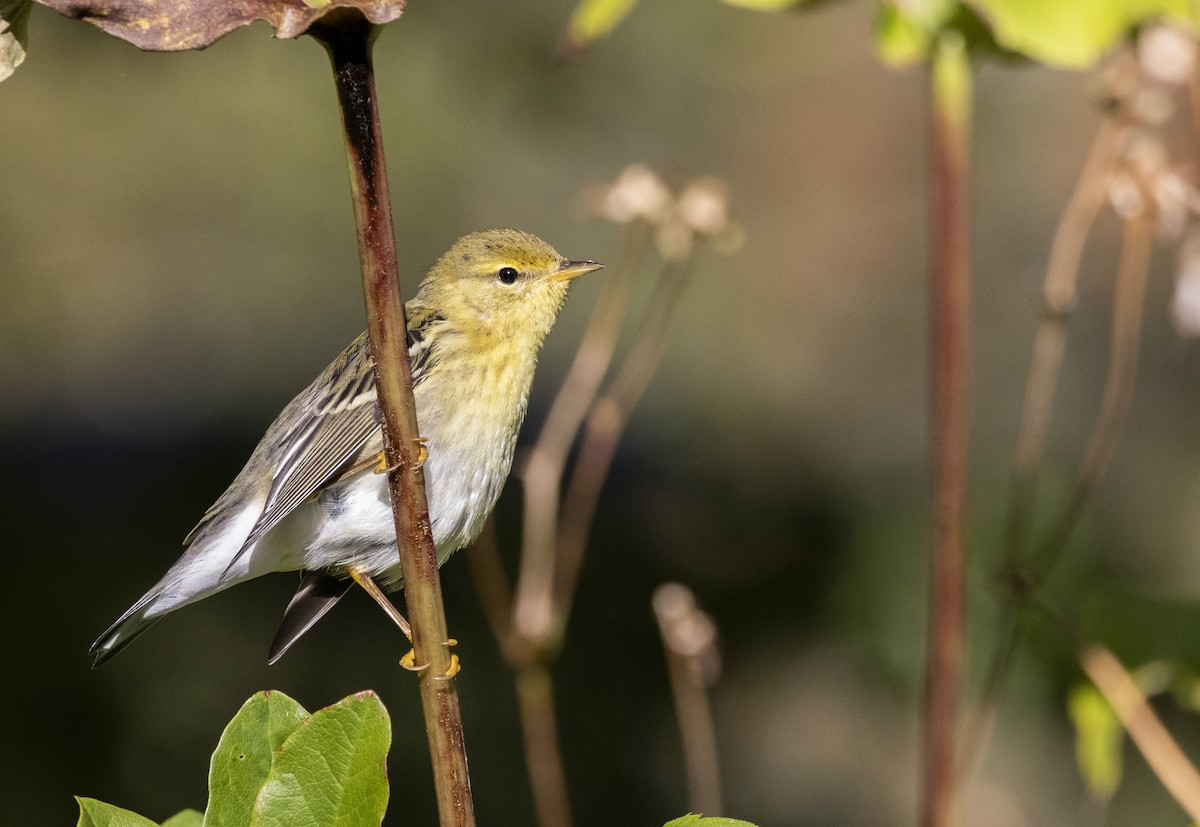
{"x": 123, "y": 632}
{"x": 317, "y": 593}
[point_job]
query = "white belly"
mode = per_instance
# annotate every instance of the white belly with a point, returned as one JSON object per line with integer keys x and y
{"x": 354, "y": 523}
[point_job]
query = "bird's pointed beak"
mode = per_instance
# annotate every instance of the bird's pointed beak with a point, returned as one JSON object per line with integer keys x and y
{"x": 572, "y": 269}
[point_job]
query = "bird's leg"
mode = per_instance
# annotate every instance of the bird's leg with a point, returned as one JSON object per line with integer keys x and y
{"x": 363, "y": 579}
{"x": 422, "y": 450}
{"x": 409, "y": 660}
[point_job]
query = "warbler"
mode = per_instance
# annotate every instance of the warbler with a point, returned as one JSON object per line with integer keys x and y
{"x": 312, "y": 498}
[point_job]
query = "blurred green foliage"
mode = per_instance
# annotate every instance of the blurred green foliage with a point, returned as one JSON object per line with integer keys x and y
{"x": 1063, "y": 33}
{"x": 1099, "y": 740}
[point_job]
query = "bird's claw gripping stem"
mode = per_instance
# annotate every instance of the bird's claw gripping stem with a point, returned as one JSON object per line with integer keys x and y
{"x": 382, "y": 467}
{"x": 409, "y": 662}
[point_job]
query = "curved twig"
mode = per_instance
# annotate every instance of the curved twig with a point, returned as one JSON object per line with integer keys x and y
{"x": 542, "y": 470}
{"x": 603, "y": 430}
{"x": 1169, "y": 763}
{"x": 1118, "y": 386}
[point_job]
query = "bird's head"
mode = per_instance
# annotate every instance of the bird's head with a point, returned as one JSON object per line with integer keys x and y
{"x": 501, "y": 282}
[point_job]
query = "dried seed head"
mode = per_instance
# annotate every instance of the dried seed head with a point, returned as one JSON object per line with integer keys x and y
{"x": 637, "y": 193}
{"x": 704, "y": 206}
{"x": 1166, "y": 53}
{"x": 687, "y": 631}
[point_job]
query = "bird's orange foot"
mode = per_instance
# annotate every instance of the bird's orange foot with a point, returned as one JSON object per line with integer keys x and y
{"x": 453, "y": 669}
{"x": 409, "y": 662}
{"x": 382, "y": 467}
{"x": 381, "y": 464}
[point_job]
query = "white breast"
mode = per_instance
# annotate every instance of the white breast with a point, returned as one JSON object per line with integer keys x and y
{"x": 471, "y": 435}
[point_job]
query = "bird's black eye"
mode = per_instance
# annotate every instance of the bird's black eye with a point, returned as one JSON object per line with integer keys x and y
{"x": 508, "y": 275}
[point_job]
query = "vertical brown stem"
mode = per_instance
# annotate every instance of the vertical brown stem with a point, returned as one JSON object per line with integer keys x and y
{"x": 689, "y": 642}
{"x": 491, "y": 584}
{"x": 1128, "y": 301}
{"x": 535, "y": 691}
{"x": 347, "y": 37}
{"x": 949, "y": 319}
{"x": 535, "y": 697}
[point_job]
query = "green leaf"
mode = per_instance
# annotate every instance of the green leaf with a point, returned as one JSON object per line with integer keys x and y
{"x": 1068, "y": 33}
{"x": 692, "y": 820}
{"x": 952, "y": 81}
{"x": 1098, "y": 740}
{"x": 1063, "y": 33}
{"x": 187, "y": 818}
{"x": 332, "y": 770}
{"x": 14, "y": 34}
{"x": 93, "y": 813}
{"x": 899, "y": 40}
{"x": 904, "y": 31}
{"x": 245, "y": 754}
{"x": 594, "y": 19}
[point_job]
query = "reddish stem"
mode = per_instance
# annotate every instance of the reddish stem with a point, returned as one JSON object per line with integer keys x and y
{"x": 949, "y": 333}
{"x": 347, "y": 37}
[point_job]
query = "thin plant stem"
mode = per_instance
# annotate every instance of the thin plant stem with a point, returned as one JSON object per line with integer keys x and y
{"x": 1118, "y": 395}
{"x": 491, "y": 583}
{"x": 543, "y": 757}
{"x": 1058, "y": 301}
{"x": 688, "y": 637}
{"x": 603, "y": 430}
{"x": 1128, "y": 302}
{"x": 1169, "y": 763}
{"x": 1162, "y": 753}
{"x": 983, "y": 721}
{"x": 535, "y": 692}
{"x": 347, "y": 37}
{"x": 950, "y": 323}
{"x": 543, "y": 469}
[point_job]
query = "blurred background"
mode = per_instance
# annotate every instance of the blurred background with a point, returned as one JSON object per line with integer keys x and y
{"x": 177, "y": 260}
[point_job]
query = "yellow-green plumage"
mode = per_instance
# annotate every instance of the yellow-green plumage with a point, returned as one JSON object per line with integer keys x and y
{"x": 303, "y": 502}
